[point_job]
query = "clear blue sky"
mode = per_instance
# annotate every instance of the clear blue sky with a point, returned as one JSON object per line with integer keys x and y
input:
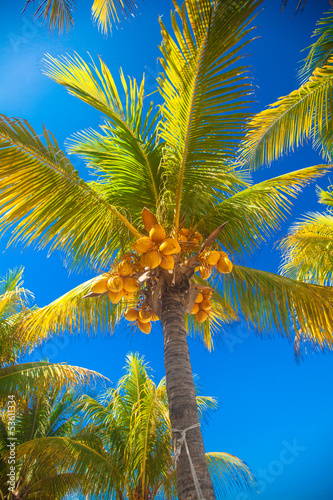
{"x": 274, "y": 414}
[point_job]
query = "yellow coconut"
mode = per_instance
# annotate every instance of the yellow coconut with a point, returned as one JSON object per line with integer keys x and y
{"x": 198, "y": 236}
{"x": 145, "y": 327}
{"x": 157, "y": 233}
{"x": 167, "y": 262}
{"x": 154, "y": 317}
{"x": 182, "y": 238}
{"x": 130, "y": 284}
{"x": 142, "y": 245}
{"x": 204, "y": 272}
{"x": 206, "y": 305}
{"x": 144, "y": 316}
{"x": 152, "y": 259}
{"x": 224, "y": 265}
{"x": 131, "y": 314}
{"x": 195, "y": 309}
{"x": 213, "y": 257}
{"x": 201, "y": 316}
{"x": 124, "y": 268}
{"x": 170, "y": 246}
{"x": 99, "y": 286}
{"x": 199, "y": 298}
{"x": 128, "y": 295}
{"x": 115, "y": 283}
{"x": 115, "y": 297}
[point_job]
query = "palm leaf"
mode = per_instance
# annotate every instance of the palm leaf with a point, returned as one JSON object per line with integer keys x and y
{"x": 107, "y": 12}
{"x": 204, "y": 90}
{"x": 308, "y": 249}
{"x": 57, "y": 14}
{"x": 295, "y": 309}
{"x": 303, "y": 114}
{"x": 43, "y": 196}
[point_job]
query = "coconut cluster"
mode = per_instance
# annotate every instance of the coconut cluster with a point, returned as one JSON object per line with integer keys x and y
{"x": 202, "y": 306}
{"x": 142, "y": 317}
{"x": 119, "y": 284}
{"x": 189, "y": 238}
{"x": 212, "y": 259}
{"x": 157, "y": 249}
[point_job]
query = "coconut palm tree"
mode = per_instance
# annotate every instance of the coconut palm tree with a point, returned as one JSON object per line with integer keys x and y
{"x": 170, "y": 198}
{"x": 128, "y": 436}
{"x": 58, "y": 14}
{"x": 18, "y": 378}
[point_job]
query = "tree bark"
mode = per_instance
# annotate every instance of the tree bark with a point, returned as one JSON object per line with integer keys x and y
{"x": 183, "y": 408}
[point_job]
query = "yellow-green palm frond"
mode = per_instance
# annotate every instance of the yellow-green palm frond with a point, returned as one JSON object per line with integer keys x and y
{"x": 255, "y": 213}
{"x": 47, "y": 202}
{"x": 73, "y": 313}
{"x": 26, "y": 377}
{"x": 229, "y": 473}
{"x": 308, "y": 249}
{"x": 107, "y": 12}
{"x": 204, "y": 91}
{"x": 269, "y": 301}
{"x": 303, "y": 114}
{"x": 326, "y": 197}
{"x": 56, "y": 14}
{"x": 322, "y": 49}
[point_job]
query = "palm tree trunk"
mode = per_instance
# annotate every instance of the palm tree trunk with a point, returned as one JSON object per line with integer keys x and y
{"x": 183, "y": 408}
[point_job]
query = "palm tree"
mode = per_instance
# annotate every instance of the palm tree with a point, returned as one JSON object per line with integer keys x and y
{"x": 172, "y": 173}
{"x": 127, "y": 436}
{"x": 58, "y": 14}
{"x": 19, "y": 378}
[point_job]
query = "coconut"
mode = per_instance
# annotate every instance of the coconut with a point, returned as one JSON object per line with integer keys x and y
{"x": 152, "y": 259}
{"x": 206, "y": 305}
{"x": 199, "y": 298}
{"x": 115, "y": 297}
{"x": 154, "y": 317}
{"x": 145, "y": 327}
{"x": 170, "y": 246}
{"x": 195, "y": 309}
{"x": 144, "y": 316}
{"x": 124, "y": 268}
{"x": 142, "y": 245}
{"x": 99, "y": 286}
{"x": 204, "y": 272}
{"x": 213, "y": 257}
{"x": 128, "y": 295}
{"x": 130, "y": 284}
{"x": 115, "y": 283}
{"x": 167, "y": 262}
{"x": 131, "y": 314}
{"x": 224, "y": 265}
{"x": 157, "y": 233}
{"x": 201, "y": 316}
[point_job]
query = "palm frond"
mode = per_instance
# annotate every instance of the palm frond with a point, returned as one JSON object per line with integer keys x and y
{"x": 322, "y": 49}
{"x": 229, "y": 473}
{"x": 204, "y": 90}
{"x": 295, "y": 309}
{"x": 303, "y": 114}
{"x": 43, "y": 197}
{"x": 326, "y": 197}
{"x": 107, "y": 12}
{"x": 308, "y": 249}
{"x": 254, "y": 214}
{"x": 57, "y": 14}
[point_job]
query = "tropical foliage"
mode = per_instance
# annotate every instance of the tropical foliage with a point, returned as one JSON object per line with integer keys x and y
{"x": 172, "y": 213}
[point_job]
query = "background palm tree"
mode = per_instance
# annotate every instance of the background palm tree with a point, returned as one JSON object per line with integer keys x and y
{"x": 180, "y": 162}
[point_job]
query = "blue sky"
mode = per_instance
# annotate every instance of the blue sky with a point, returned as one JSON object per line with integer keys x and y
{"x": 274, "y": 414}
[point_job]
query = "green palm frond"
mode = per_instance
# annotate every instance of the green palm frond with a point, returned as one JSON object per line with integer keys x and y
{"x": 303, "y": 114}
{"x": 57, "y": 14}
{"x": 107, "y": 12}
{"x": 253, "y": 214}
{"x": 308, "y": 249}
{"x": 294, "y": 308}
{"x": 204, "y": 91}
{"x": 322, "y": 49}
{"x": 43, "y": 196}
{"x": 21, "y": 378}
{"x": 71, "y": 312}
{"x": 326, "y": 197}
{"x": 229, "y": 473}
